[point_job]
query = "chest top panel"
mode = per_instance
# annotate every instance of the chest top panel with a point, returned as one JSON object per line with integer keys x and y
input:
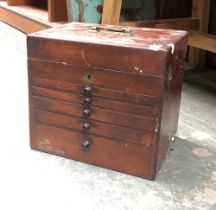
{"x": 141, "y": 51}
{"x": 144, "y": 38}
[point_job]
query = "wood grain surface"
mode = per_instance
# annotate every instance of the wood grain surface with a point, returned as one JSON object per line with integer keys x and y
{"x": 103, "y": 104}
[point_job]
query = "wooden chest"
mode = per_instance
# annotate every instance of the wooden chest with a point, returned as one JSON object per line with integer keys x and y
{"x": 105, "y": 95}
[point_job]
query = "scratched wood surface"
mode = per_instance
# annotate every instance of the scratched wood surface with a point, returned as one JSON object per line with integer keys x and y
{"x": 111, "y": 112}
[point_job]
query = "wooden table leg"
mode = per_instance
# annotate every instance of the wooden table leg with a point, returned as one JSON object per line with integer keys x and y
{"x": 111, "y": 13}
{"x": 57, "y": 10}
{"x": 201, "y": 10}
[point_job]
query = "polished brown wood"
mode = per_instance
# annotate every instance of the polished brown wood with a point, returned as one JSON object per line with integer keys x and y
{"x": 123, "y": 96}
{"x": 101, "y": 152}
{"x": 104, "y": 56}
{"x": 171, "y": 104}
{"x": 145, "y": 84}
{"x": 105, "y": 95}
{"x": 100, "y": 114}
{"x": 94, "y": 127}
{"x": 103, "y": 102}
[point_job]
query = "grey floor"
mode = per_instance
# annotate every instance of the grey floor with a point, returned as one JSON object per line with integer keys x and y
{"x": 37, "y": 181}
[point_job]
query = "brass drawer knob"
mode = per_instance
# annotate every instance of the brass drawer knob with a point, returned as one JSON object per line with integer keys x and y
{"x": 87, "y": 100}
{"x": 87, "y": 91}
{"x": 86, "y": 126}
{"x": 86, "y": 145}
{"x": 86, "y": 112}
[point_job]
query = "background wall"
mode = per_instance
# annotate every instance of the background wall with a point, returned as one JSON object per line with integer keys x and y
{"x": 145, "y": 11}
{"x": 173, "y": 8}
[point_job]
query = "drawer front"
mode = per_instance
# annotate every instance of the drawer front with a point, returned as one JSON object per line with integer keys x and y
{"x": 98, "y": 114}
{"x": 123, "y": 96}
{"x": 114, "y": 80}
{"x": 95, "y": 101}
{"x": 126, "y": 59}
{"x": 125, "y": 157}
{"x": 87, "y": 127}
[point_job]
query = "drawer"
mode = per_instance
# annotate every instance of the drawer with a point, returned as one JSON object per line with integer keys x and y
{"x": 133, "y": 59}
{"x": 110, "y": 79}
{"x": 95, "y": 101}
{"x": 123, "y": 96}
{"x": 87, "y": 127}
{"x": 116, "y": 155}
{"x": 98, "y": 114}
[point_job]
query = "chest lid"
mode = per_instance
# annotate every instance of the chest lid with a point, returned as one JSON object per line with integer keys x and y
{"x": 104, "y": 46}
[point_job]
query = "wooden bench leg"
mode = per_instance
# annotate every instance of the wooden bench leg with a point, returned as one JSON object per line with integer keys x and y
{"x": 111, "y": 13}
{"x": 201, "y": 10}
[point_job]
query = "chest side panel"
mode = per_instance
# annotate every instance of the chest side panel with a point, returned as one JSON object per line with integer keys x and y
{"x": 171, "y": 101}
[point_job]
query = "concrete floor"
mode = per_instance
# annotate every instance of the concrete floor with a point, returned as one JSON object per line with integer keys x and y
{"x": 37, "y": 181}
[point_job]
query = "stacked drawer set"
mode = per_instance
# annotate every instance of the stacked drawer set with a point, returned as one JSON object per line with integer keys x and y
{"x": 106, "y": 96}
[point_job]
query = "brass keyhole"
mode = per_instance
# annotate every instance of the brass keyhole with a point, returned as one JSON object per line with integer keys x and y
{"x": 89, "y": 78}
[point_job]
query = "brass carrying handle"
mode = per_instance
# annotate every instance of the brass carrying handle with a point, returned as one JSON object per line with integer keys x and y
{"x": 113, "y": 29}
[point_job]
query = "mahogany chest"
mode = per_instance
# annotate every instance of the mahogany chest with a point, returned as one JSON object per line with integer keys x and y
{"x": 106, "y": 95}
